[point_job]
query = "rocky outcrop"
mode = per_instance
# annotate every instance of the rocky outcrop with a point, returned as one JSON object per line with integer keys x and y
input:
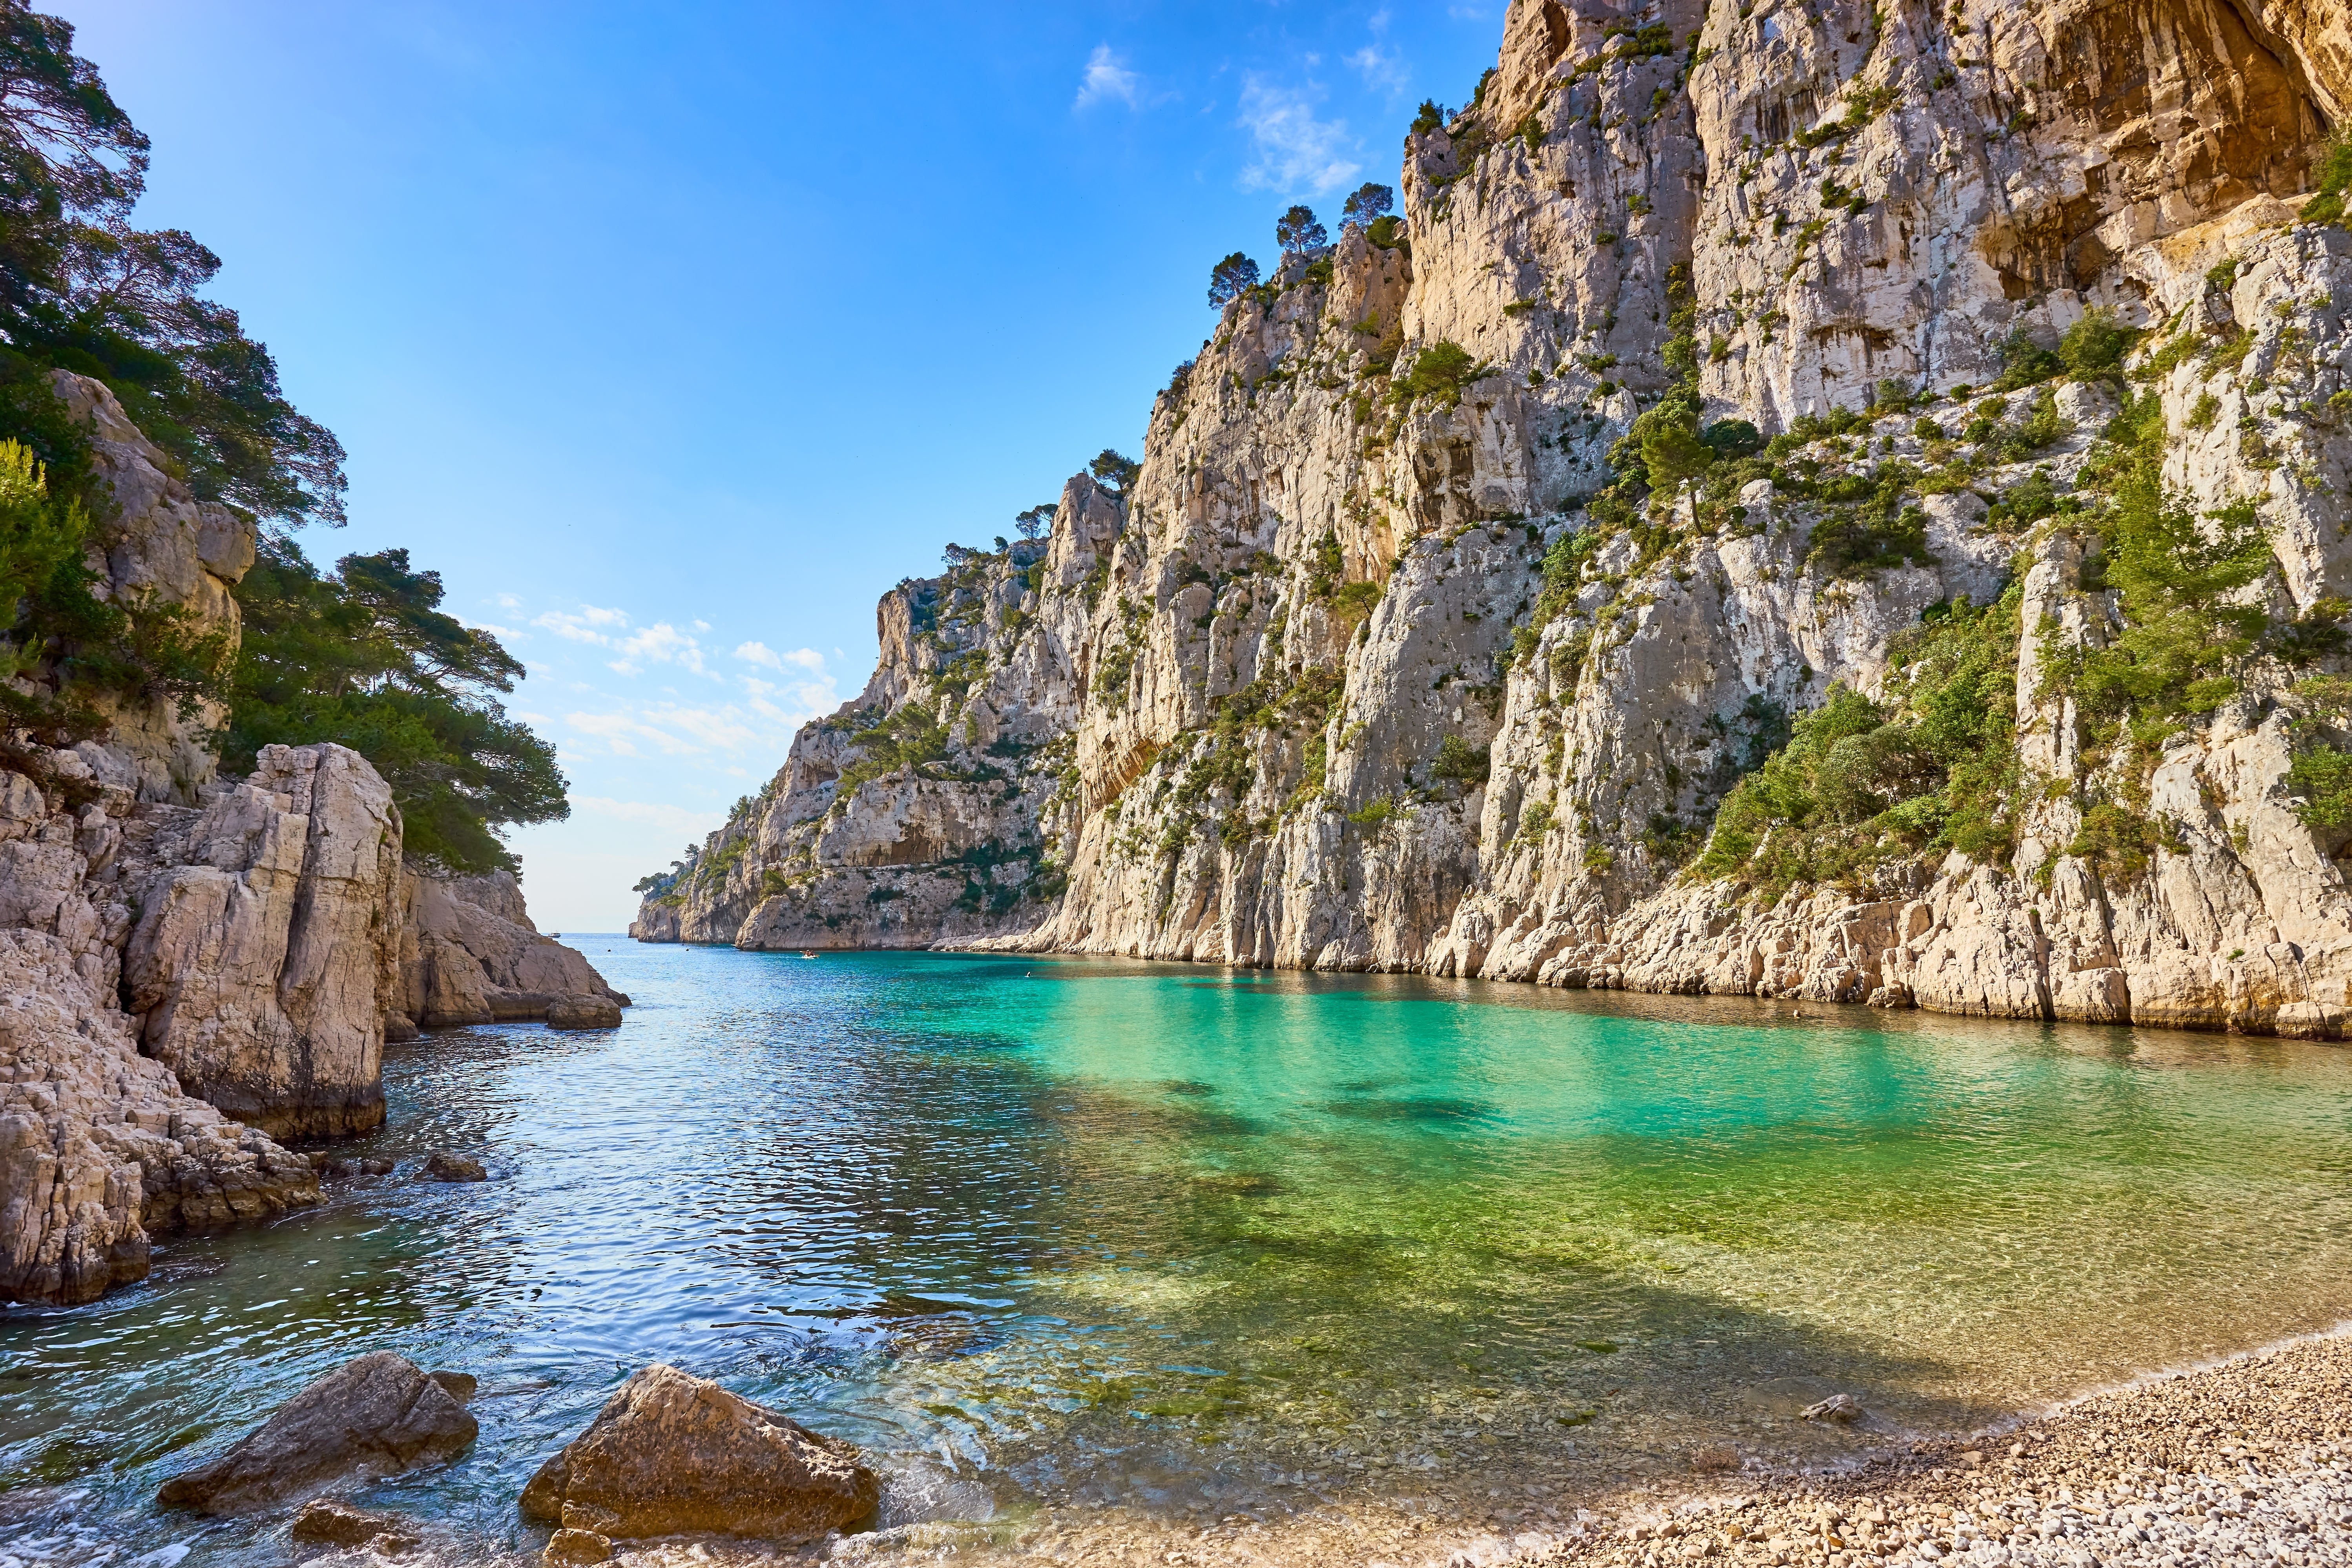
{"x": 470, "y": 954}
{"x": 674, "y": 1454}
{"x": 376, "y": 1415}
{"x": 1307, "y": 692}
{"x": 266, "y": 952}
{"x": 157, "y": 550}
{"x": 100, "y": 1148}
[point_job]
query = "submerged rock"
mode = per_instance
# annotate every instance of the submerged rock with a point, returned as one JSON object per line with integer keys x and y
{"x": 582, "y": 1013}
{"x": 674, "y": 1454}
{"x": 446, "y": 1166}
{"x": 376, "y": 1415}
{"x": 1841, "y": 1408}
{"x": 331, "y": 1523}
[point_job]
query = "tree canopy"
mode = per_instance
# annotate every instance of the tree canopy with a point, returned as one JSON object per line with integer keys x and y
{"x": 364, "y": 656}
{"x": 82, "y": 290}
{"x": 1231, "y": 279}
{"x": 1366, "y": 203}
{"x": 1115, "y": 471}
{"x": 1300, "y": 230}
{"x": 1038, "y": 520}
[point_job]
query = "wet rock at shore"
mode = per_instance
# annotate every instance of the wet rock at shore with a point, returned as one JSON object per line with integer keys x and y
{"x": 1841, "y": 1408}
{"x": 327, "y": 1522}
{"x": 375, "y": 1415}
{"x": 674, "y": 1454}
{"x": 575, "y": 1548}
{"x": 447, "y": 1166}
{"x": 582, "y": 1012}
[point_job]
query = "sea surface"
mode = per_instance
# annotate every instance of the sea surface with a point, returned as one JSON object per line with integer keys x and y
{"x": 1202, "y": 1244}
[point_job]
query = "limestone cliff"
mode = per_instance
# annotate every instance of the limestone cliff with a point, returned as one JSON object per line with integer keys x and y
{"x": 1377, "y": 664}
{"x": 191, "y": 967}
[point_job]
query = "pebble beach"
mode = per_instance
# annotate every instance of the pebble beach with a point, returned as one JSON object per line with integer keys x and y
{"x": 2246, "y": 1462}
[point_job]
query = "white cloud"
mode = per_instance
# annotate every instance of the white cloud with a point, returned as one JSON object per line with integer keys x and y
{"x": 590, "y": 626}
{"x": 1381, "y": 72}
{"x": 660, "y": 643}
{"x": 507, "y": 602}
{"x": 759, "y": 653}
{"x": 1106, "y": 76}
{"x": 1294, "y": 150}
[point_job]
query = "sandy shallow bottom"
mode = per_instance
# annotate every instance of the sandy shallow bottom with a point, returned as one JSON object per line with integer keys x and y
{"x": 2249, "y": 1461}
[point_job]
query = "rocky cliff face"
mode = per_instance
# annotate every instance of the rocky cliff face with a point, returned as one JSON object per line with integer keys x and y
{"x": 192, "y": 968}
{"x": 1381, "y": 663}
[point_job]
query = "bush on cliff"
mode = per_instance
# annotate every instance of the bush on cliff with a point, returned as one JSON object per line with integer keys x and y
{"x": 56, "y": 631}
{"x": 1860, "y": 784}
{"x": 364, "y": 657}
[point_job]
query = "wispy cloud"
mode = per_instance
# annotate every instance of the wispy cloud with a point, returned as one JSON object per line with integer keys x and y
{"x": 1294, "y": 150}
{"x": 759, "y": 653}
{"x": 660, "y": 643}
{"x": 1107, "y": 76}
{"x": 1381, "y": 72}
{"x": 588, "y": 625}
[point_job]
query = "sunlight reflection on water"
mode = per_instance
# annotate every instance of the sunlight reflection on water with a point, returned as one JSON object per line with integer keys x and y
{"x": 1202, "y": 1241}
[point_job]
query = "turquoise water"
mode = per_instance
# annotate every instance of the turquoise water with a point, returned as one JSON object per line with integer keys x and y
{"x": 1203, "y": 1243}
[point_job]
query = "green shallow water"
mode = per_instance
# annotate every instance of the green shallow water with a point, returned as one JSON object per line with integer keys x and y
{"x": 1206, "y": 1242}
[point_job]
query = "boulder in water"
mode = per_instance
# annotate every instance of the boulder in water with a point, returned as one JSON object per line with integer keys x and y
{"x": 374, "y": 1416}
{"x": 582, "y": 1012}
{"x": 674, "y": 1454}
{"x": 447, "y": 1166}
{"x": 331, "y": 1523}
{"x": 1841, "y": 1408}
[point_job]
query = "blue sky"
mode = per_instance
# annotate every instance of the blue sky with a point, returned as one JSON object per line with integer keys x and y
{"x": 672, "y": 335}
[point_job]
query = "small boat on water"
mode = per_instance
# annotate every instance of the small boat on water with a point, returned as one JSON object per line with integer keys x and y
{"x": 808, "y": 955}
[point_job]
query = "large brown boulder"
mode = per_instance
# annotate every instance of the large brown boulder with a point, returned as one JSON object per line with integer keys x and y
{"x": 375, "y": 1415}
{"x": 673, "y": 1454}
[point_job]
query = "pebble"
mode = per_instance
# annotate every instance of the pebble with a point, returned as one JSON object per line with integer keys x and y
{"x": 2248, "y": 1462}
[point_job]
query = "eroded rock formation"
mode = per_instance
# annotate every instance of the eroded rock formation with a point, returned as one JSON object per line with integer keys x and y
{"x": 470, "y": 954}
{"x": 1308, "y": 694}
{"x": 190, "y": 968}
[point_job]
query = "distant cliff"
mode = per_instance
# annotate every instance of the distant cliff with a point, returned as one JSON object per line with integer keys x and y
{"x": 1843, "y": 501}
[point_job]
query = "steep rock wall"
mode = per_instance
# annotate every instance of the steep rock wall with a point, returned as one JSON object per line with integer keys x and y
{"x": 1306, "y": 696}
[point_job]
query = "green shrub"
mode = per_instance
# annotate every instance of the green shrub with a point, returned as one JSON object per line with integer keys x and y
{"x": 1458, "y": 761}
{"x": 907, "y": 738}
{"x": 1858, "y": 785}
{"x": 2024, "y": 363}
{"x": 1439, "y": 372}
{"x": 2334, "y": 173}
{"x": 2095, "y": 346}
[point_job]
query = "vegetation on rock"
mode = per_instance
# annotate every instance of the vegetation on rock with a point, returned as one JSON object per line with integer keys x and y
{"x": 364, "y": 655}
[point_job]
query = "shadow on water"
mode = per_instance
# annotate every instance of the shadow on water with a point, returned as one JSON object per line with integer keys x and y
{"x": 1204, "y": 1242}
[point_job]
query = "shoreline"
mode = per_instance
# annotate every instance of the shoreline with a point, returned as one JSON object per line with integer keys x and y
{"x": 2244, "y": 1457}
{"x": 1788, "y": 1004}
